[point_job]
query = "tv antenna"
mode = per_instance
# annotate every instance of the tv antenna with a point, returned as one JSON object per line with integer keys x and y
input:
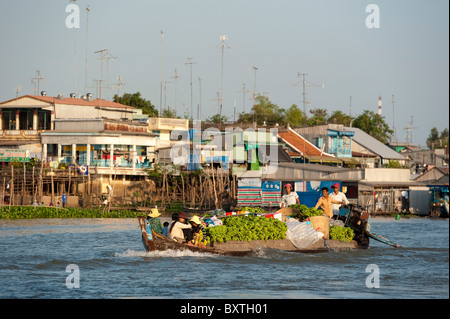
{"x": 176, "y": 77}
{"x": 199, "y": 110}
{"x": 165, "y": 94}
{"x": 18, "y": 88}
{"x": 303, "y": 83}
{"x": 243, "y": 91}
{"x": 104, "y": 55}
{"x": 189, "y": 62}
{"x": 37, "y": 80}
{"x": 223, "y": 47}
{"x": 409, "y": 130}
{"x": 162, "y": 64}
{"x": 119, "y": 84}
{"x": 393, "y": 116}
{"x": 86, "y": 54}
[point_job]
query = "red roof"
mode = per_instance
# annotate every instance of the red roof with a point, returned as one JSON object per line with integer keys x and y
{"x": 73, "y": 101}
{"x": 300, "y": 145}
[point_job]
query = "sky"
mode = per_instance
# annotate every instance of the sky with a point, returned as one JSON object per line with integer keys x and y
{"x": 350, "y": 53}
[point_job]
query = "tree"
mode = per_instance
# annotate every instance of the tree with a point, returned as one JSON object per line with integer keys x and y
{"x": 217, "y": 119}
{"x": 137, "y": 101}
{"x": 374, "y": 125}
{"x": 444, "y": 138}
{"x": 320, "y": 116}
{"x": 263, "y": 111}
{"x": 295, "y": 117}
{"x": 169, "y": 114}
{"x": 435, "y": 140}
{"x": 339, "y": 117}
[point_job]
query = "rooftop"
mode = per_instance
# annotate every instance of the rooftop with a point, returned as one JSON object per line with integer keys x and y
{"x": 71, "y": 101}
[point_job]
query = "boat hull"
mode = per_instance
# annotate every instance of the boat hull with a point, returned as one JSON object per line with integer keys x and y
{"x": 243, "y": 248}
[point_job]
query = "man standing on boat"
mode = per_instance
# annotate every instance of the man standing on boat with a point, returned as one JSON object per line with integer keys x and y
{"x": 325, "y": 203}
{"x": 339, "y": 197}
{"x": 290, "y": 198}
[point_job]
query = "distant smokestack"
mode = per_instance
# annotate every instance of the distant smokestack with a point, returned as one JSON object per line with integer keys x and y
{"x": 379, "y": 106}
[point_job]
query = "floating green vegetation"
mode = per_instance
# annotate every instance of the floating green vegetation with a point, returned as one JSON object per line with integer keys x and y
{"x": 28, "y": 212}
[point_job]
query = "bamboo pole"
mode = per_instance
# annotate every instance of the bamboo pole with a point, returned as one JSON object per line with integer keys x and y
{"x": 215, "y": 191}
{"x": 68, "y": 190}
{"x": 32, "y": 188}
{"x": 182, "y": 181}
{"x": 53, "y": 187}
{"x": 11, "y": 192}
{"x": 24, "y": 182}
{"x": 4, "y": 190}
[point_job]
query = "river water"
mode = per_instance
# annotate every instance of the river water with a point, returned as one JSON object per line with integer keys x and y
{"x": 105, "y": 259}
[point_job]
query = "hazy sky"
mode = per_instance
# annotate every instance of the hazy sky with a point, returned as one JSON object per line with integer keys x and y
{"x": 408, "y": 55}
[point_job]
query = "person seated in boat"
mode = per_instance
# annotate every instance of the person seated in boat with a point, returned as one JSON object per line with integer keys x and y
{"x": 181, "y": 231}
{"x": 290, "y": 198}
{"x": 155, "y": 223}
{"x": 325, "y": 203}
{"x": 165, "y": 229}
{"x": 198, "y": 230}
{"x": 174, "y": 220}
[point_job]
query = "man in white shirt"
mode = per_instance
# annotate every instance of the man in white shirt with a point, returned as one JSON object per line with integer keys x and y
{"x": 338, "y": 197}
{"x": 290, "y": 198}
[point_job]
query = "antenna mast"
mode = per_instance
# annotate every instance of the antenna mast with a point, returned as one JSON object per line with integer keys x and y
{"x": 176, "y": 77}
{"x": 162, "y": 59}
{"x": 119, "y": 84}
{"x": 409, "y": 130}
{"x": 104, "y": 55}
{"x": 222, "y": 39}
{"x": 189, "y": 62}
{"x": 304, "y": 85}
{"x": 37, "y": 80}
{"x": 86, "y": 57}
{"x": 393, "y": 117}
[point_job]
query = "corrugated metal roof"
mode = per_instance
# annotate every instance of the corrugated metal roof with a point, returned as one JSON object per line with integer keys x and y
{"x": 373, "y": 145}
{"x": 301, "y": 145}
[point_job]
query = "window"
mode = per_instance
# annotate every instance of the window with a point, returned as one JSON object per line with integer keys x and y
{"x": 319, "y": 142}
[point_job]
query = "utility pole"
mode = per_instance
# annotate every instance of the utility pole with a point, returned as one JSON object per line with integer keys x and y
{"x": 189, "y": 62}
{"x": 37, "y": 80}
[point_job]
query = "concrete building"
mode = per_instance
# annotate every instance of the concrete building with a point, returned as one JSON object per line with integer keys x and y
{"x": 163, "y": 128}
{"x": 350, "y": 144}
{"x": 23, "y": 119}
{"x": 105, "y": 144}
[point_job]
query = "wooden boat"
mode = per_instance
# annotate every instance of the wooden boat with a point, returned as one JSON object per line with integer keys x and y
{"x": 356, "y": 218}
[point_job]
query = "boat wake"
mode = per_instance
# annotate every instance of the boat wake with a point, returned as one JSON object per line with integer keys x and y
{"x": 162, "y": 254}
